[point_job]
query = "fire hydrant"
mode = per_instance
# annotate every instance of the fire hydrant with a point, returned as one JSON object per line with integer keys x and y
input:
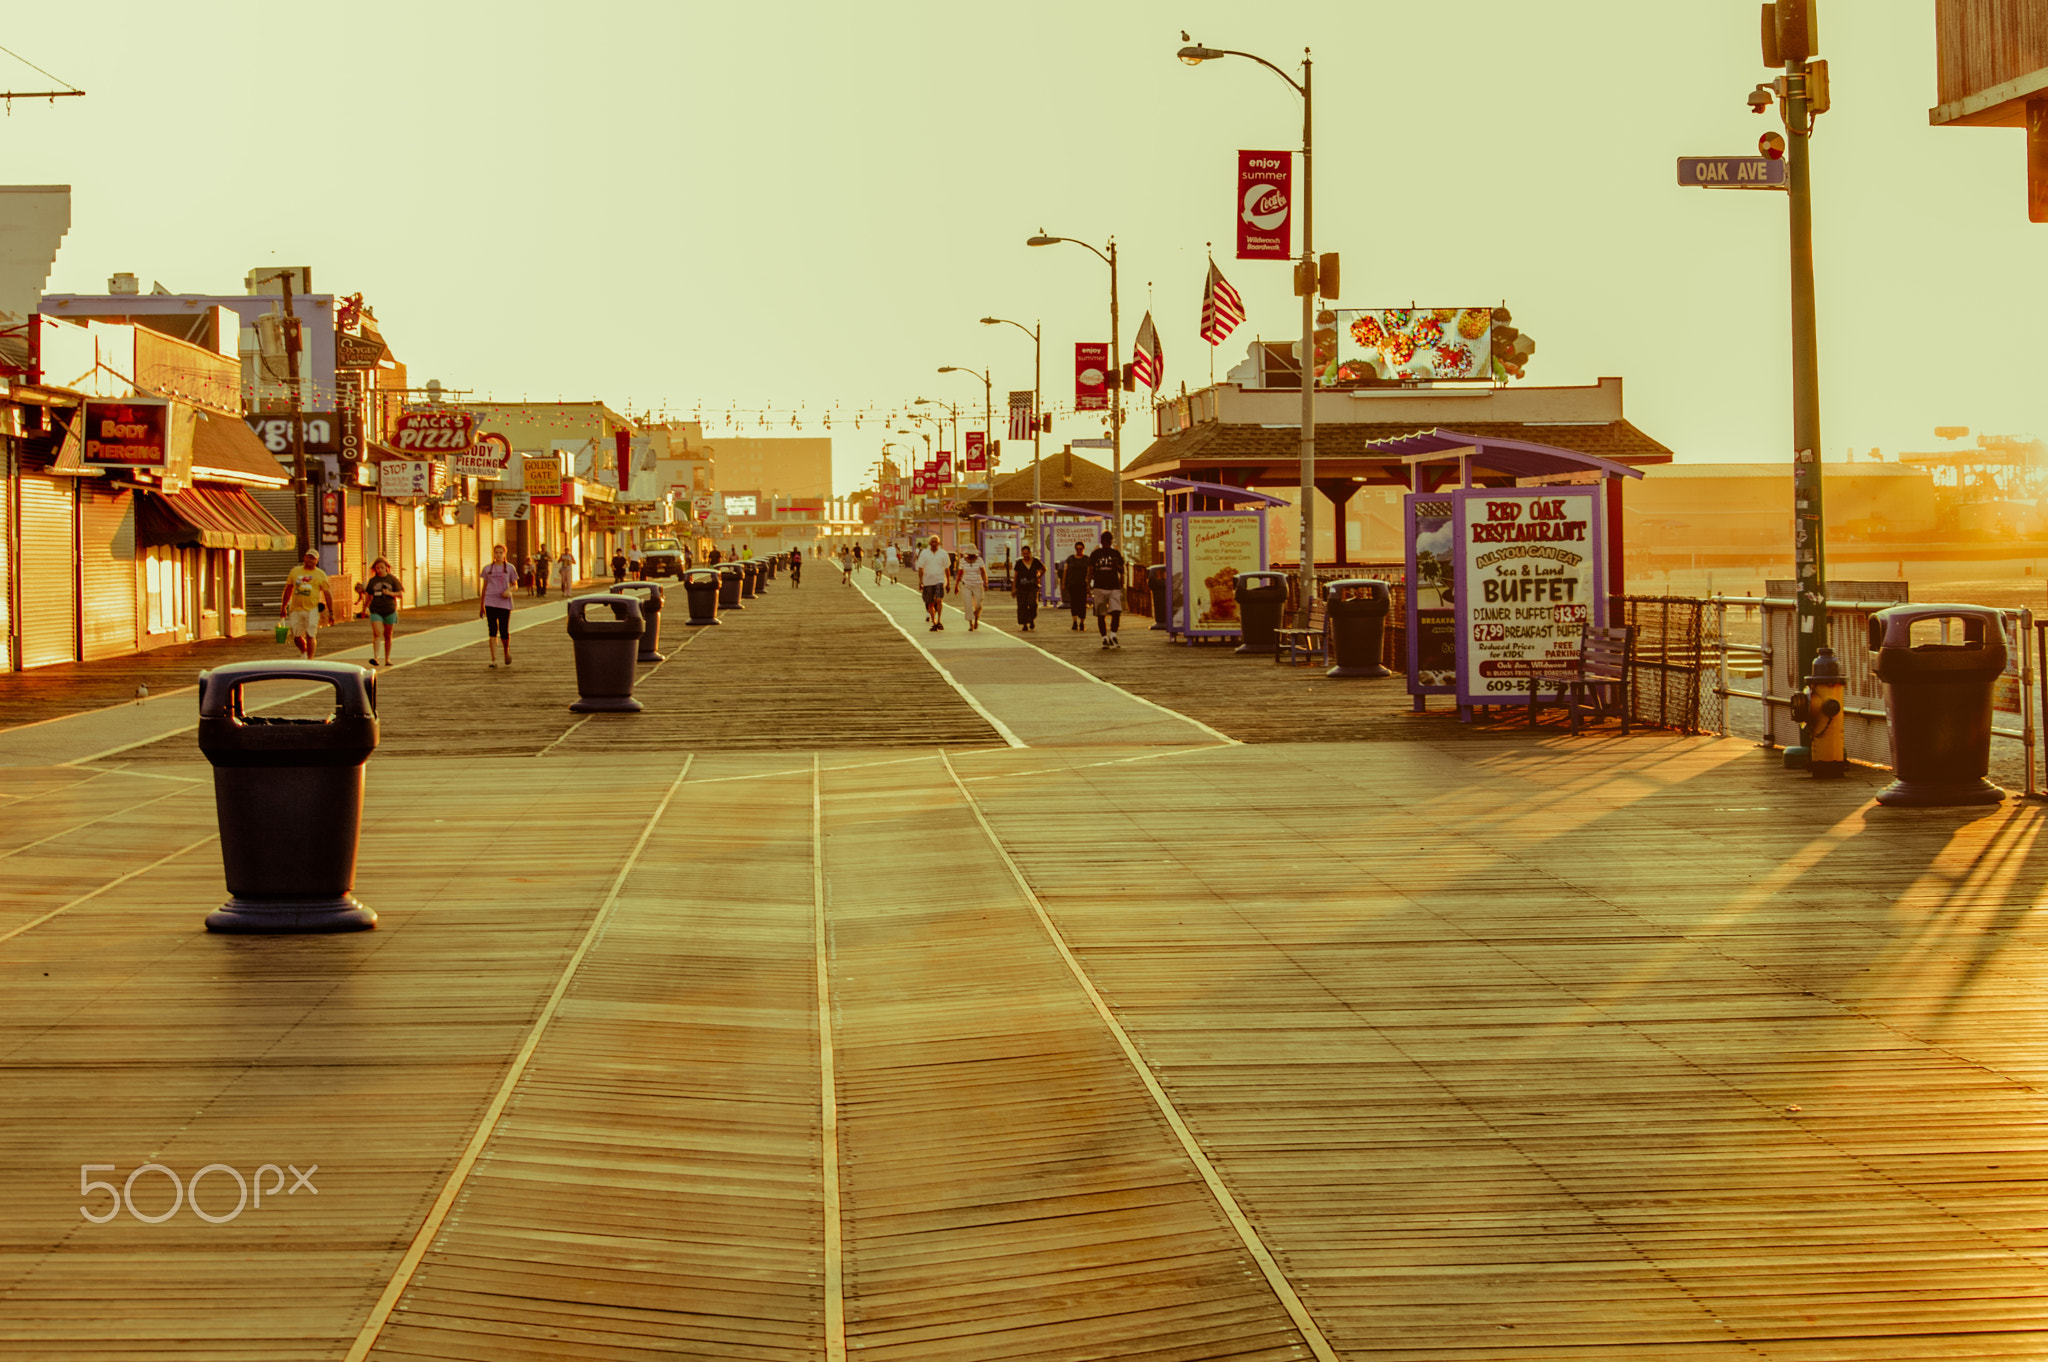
{"x": 1819, "y": 709}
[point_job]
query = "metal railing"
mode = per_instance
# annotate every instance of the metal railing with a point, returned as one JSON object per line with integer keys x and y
{"x": 1866, "y": 729}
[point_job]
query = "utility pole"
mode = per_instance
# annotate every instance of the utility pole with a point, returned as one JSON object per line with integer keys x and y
{"x": 1306, "y": 285}
{"x": 1789, "y": 32}
{"x": 1116, "y": 410}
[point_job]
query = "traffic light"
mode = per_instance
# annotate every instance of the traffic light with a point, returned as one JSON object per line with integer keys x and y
{"x": 1791, "y": 31}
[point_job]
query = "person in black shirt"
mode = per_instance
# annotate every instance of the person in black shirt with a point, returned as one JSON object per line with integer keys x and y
{"x": 1074, "y": 585}
{"x": 1106, "y": 584}
{"x": 1027, "y": 574}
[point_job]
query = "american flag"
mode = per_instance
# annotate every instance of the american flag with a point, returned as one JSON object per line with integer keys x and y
{"x": 1148, "y": 361}
{"x": 1222, "y": 309}
{"x": 1020, "y": 415}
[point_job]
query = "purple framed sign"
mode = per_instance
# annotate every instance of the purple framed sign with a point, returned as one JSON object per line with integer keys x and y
{"x": 1207, "y": 552}
{"x": 1531, "y": 572}
{"x": 1432, "y": 594}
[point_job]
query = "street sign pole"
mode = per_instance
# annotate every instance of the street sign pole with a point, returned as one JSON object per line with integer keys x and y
{"x": 1809, "y": 545}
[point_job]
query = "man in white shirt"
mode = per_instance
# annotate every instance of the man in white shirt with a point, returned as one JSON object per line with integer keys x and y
{"x": 932, "y": 566}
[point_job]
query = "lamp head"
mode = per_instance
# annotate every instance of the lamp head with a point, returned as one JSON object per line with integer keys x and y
{"x": 1194, "y": 54}
{"x": 1042, "y": 239}
{"x": 991, "y": 321}
{"x": 948, "y": 369}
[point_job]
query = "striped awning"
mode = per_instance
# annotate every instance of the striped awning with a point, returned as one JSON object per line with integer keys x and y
{"x": 208, "y": 518}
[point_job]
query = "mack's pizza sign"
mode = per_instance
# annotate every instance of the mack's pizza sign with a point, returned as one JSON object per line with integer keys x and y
{"x": 433, "y": 428}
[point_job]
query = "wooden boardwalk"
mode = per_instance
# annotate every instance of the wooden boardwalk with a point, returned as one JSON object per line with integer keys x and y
{"x": 1452, "y": 1051}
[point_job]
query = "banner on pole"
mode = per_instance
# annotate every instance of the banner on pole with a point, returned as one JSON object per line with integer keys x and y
{"x": 977, "y": 453}
{"x": 1021, "y": 415}
{"x": 1265, "y": 205}
{"x": 1091, "y": 376}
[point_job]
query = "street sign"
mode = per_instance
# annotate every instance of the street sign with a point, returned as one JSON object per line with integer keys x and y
{"x": 1731, "y": 172}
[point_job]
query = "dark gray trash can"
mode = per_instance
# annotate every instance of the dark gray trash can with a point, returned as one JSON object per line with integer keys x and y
{"x": 1155, "y": 579}
{"x": 1261, "y": 600}
{"x": 700, "y": 590}
{"x": 764, "y": 570}
{"x": 1938, "y": 698}
{"x": 288, "y": 794}
{"x": 730, "y": 579}
{"x": 651, "y": 598}
{"x": 750, "y": 576}
{"x": 1357, "y": 610}
{"x": 607, "y": 648}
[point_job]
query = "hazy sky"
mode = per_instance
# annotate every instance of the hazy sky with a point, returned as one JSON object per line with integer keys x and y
{"x": 720, "y": 205}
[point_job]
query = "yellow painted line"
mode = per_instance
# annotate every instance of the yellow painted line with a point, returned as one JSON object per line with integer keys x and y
{"x": 416, "y": 1252}
{"x": 828, "y": 1089}
{"x": 1311, "y": 1333}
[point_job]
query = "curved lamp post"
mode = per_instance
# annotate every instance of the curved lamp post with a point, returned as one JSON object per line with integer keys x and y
{"x": 988, "y": 403}
{"x": 1194, "y": 54}
{"x": 1116, "y": 380}
{"x": 1037, "y": 403}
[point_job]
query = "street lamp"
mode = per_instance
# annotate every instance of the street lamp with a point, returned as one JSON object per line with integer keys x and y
{"x": 1116, "y": 379}
{"x": 1037, "y": 402}
{"x": 952, "y": 415}
{"x": 988, "y": 403}
{"x": 1194, "y": 54}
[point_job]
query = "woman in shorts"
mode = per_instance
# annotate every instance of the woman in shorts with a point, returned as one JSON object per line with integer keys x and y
{"x": 381, "y": 593}
{"x": 500, "y": 579}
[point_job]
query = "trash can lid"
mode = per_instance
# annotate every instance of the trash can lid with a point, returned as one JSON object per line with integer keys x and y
{"x": 1261, "y": 579}
{"x": 355, "y": 688}
{"x": 1357, "y": 590}
{"x": 1983, "y": 625}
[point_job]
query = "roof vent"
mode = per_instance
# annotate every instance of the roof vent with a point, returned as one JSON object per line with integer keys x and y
{"x": 124, "y": 283}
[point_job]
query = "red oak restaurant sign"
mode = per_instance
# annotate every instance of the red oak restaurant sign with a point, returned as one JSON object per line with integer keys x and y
{"x": 1531, "y": 574}
{"x": 1265, "y": 205}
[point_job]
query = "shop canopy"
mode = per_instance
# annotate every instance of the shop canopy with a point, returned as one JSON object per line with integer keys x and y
{"x": 1221, "y": 491}
{"x": 1483, "y": 458}
{"x": 208, "y": 518}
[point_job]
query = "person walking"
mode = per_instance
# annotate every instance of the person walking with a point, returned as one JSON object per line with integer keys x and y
{"x": 306, "y": 594}
{"x": 1074, "y": 586}
{"x": 796, "y": 567}
{"x": 932, "y": 565}
{"x": 846, "y": 567}
{"x": 541, "y": 563}
{"x": 1027, "y": 575}
{"x": 1106, "y": 575}
{"x": 500, "y": 580}
{"x": 565, "y": 569}
{"x": 382, "y": 592}
{"x": 618, "y": 566}
{"x": 881, "y": 558}
{"x": 973, "y": 588}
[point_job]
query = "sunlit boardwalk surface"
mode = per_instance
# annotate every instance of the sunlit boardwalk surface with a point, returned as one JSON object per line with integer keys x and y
{"x": 710, "y": 1037}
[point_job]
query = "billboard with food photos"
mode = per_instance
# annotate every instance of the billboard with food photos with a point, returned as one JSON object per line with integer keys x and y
{"x": 1531, "y": 578}
{"x": 1357, "y": 346}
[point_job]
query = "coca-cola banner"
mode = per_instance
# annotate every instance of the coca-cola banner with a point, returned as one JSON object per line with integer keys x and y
{"x": 1265, "y": 205}
{"x": 1091, "y": 376}
{"x": 977, "y": 452}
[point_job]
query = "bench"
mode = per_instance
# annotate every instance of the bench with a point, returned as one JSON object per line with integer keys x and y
{"x": 1599, "y": 681}
{"x": 1310, "y": 642}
